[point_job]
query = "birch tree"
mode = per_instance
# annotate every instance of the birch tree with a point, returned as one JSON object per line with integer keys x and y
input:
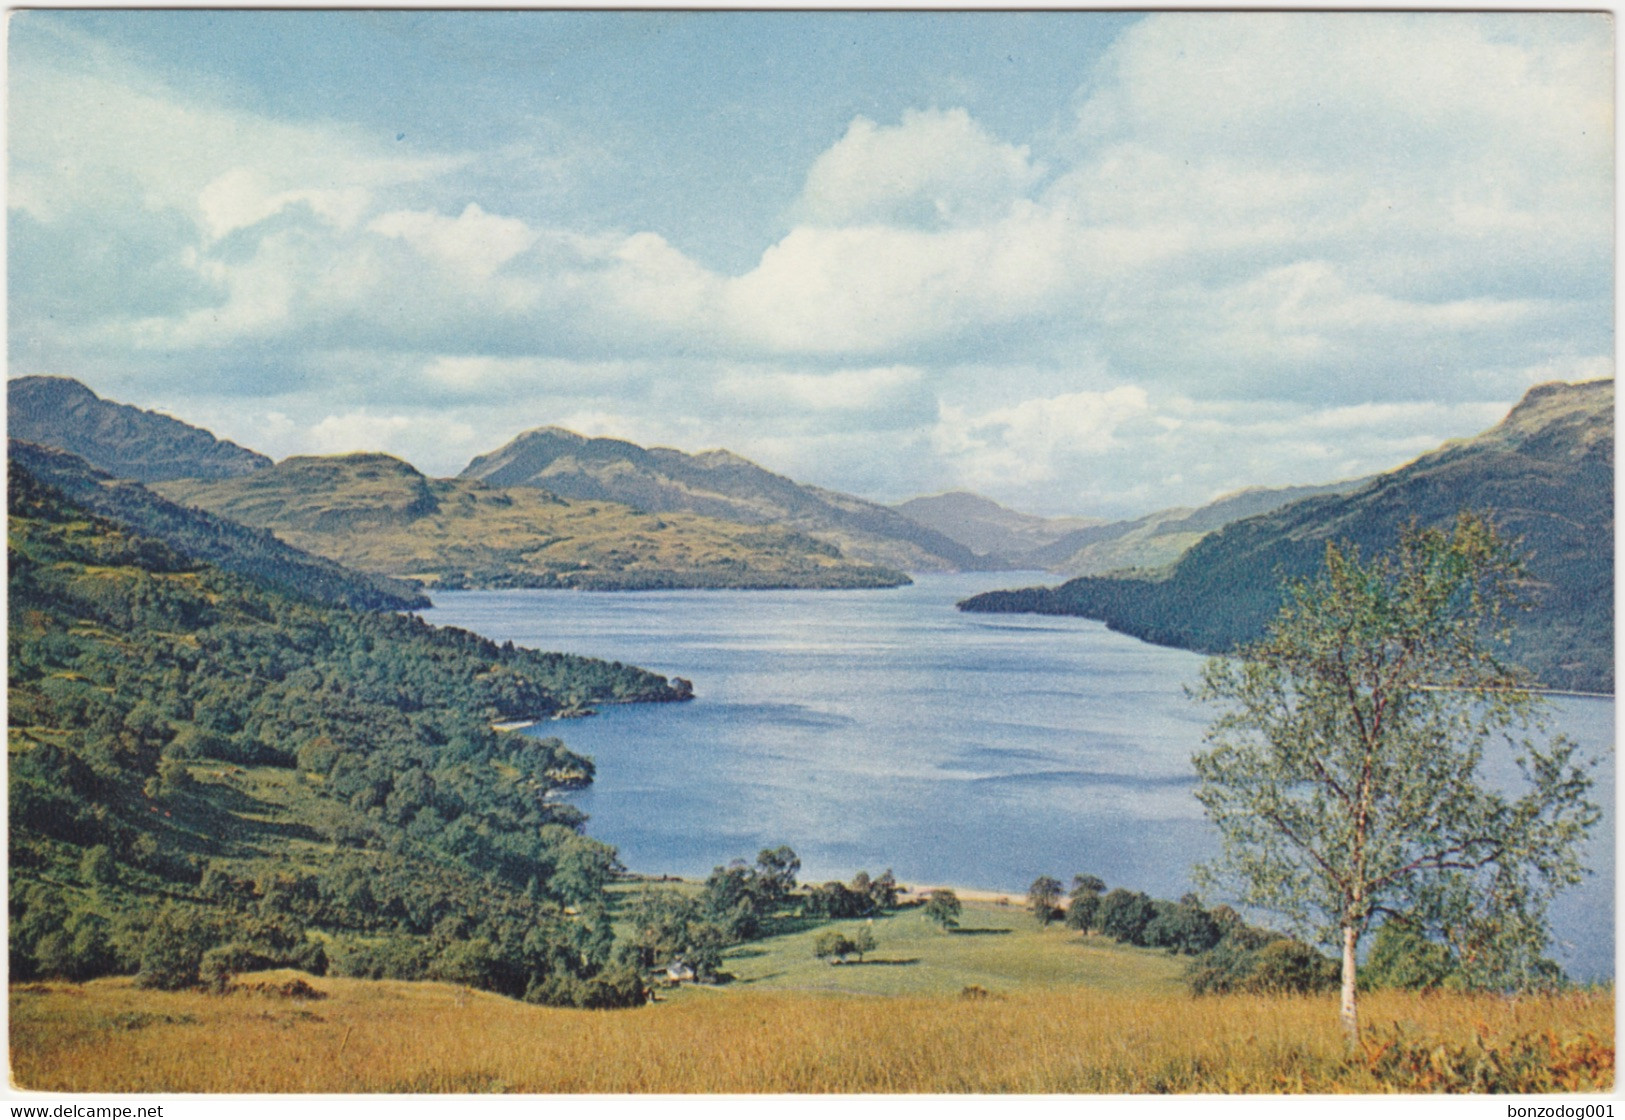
{"x": 1346, "y": 772}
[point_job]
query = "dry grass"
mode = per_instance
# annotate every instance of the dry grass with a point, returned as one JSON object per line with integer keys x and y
{"x": 371, "y": 1037}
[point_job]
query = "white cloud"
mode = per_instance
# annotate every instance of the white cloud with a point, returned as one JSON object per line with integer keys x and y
{"x": 476, "y": 376}
{"x": 1036, "y": 440}
{"x": 934, "y": 169}
{"x": 1379, "y": 225}
{"x": 85, "y": 136}
{"x": 241, "y": 198}
{"x": 877, "y": 391}
{"x": 358, "y": 431}
{"x": 877, "y": 289}
{"x": 474, "y": 244}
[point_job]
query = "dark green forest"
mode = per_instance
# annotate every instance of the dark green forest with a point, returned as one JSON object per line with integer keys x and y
{"x": 206, "y": 774}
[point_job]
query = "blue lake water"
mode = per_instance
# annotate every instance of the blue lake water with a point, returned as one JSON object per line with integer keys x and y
{"x": 876, "y": 729}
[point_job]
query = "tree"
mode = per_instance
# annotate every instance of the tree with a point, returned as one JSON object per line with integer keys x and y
{"x": 732, "y": 901}
{"x": 1083, "y": 903}
{"x": 1042, "y": 898}
{"x": 1181, "y": 927}
{"x": 943, "y": 908}
{"x": 863, "y": 941}
{"x": 776, "y": 870}
{"x": 1345, "y": 773}
{"x": 884, "y": 890}
{"x": 1124, "y": 914}
{"x": 833, "y": 943}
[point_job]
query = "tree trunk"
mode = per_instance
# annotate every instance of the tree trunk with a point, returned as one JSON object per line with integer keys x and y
{"x": 1350, "y": 1013}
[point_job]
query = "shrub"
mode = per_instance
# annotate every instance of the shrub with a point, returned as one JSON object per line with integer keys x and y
{"x": 619, "y": 985}
{"x": 1291, "y": 967}
{"x": 1542, "y": 1062}
{"x": 218, "y": 965}
{"x": 1402, "y": 957}
{"x": 1279, "y": 965}
{"x": 79, "y": 950}
{"x": 471, "y": 963}
{"x": 833, "y": 943}
{"x": 172, "y": 951}
{"x": 1181, "y": 928}
{"x": 395, "y": 958}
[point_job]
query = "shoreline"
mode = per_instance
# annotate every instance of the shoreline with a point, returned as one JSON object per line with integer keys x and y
{"x": 964, "y": 894}
{"x": 905, "y": 896}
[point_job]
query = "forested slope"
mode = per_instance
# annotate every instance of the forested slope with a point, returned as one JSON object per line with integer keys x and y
{"x": 253, "y": 553}
{"x": 200, "y": 765}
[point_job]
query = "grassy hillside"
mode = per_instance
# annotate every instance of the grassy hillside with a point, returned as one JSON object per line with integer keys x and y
{"x": 997, "y": 948}
{"x": 715, "y": 484}
{"x": 378, "y": 514}
{"x": 998, "y": 1005}
{"x": 1546, "y": 475}
{"x": 199, "y": 766}
{"x": 118, "y": 438}
{"x": 393, "y": 1037}
{"x": 253, "y": 553}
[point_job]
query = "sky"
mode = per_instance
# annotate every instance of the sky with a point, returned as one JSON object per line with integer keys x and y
{"x": 1083, "y": 263}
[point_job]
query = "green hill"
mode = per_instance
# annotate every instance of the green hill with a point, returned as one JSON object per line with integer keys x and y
{"x": 199, "y": 765}
{"x": 252, "y": 553}
{"x": 378, "y": 514}
{"x": 118, "y": 438}
{"x": 716, "y": 484}
{"x": 1546, "y": 473}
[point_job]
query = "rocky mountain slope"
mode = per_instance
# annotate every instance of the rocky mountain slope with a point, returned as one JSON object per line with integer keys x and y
{"x": 715, "y": 484}
{"x": 1545, "y": 473}
{"x": 379, "y": 514}
{"x": 118, "y": 438}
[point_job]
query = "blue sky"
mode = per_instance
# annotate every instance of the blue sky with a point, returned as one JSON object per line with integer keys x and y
{"x": 1086, "y": 263}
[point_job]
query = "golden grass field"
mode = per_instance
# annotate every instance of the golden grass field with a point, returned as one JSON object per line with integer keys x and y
{"x": 397, "y": 1037}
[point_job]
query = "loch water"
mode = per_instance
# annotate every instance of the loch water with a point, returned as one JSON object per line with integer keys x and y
{"x": 885, "y": 729}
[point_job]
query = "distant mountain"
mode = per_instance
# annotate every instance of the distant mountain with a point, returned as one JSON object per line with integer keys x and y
{"x": 1158, "y": 539}
{"x": 251, "y": 553}
{"x": 379, "y": 514}
{"x": 716, "y": 484}
{"x": 123, "y": 440}
{"x": 1546, "y": 473}
{"x": 997, "y": 534}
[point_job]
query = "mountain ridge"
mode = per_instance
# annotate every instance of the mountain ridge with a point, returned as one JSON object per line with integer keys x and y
{"x": 718, "y": 484}
{"x": 202, "y": 536}
{"x": 121, "y": 439}
{"x": 993, "y": 531}
{"x": 379, "y": 514}
{"x": 1545, "y": 472}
